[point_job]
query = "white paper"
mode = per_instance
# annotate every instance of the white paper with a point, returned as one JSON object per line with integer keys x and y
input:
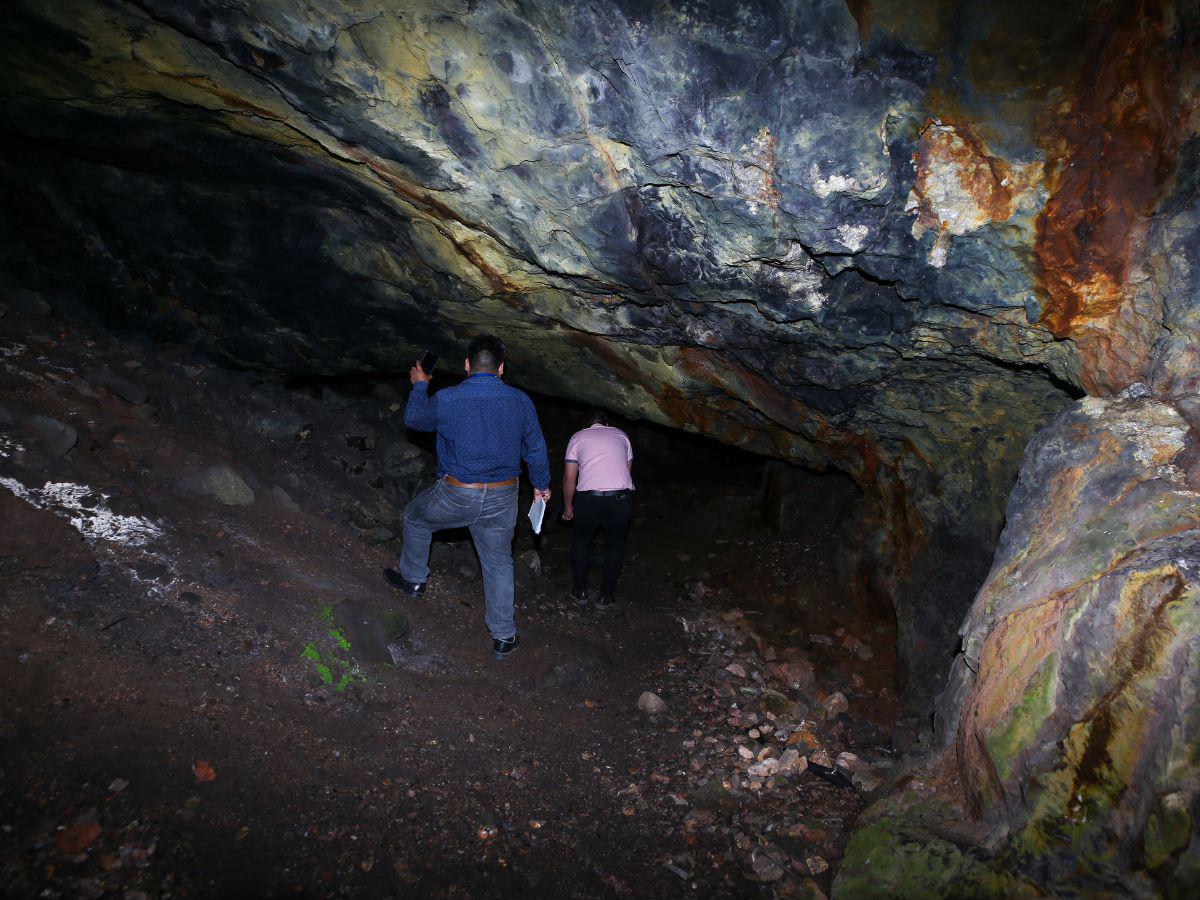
{"x": 537, "y": 512}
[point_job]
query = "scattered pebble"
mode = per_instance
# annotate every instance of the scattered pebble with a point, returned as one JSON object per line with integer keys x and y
{"x": 651, "y": 704}
{"x": 835, "y": 704}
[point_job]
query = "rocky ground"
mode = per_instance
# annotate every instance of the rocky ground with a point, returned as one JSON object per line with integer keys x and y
{"x": 208, "y": 689}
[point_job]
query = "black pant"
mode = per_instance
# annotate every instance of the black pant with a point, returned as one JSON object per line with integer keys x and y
{"x": 613, "y": 514}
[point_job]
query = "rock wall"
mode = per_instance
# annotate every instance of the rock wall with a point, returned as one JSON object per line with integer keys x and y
{"x": 852, "y": 235}
{"x": 1071, "y": 722}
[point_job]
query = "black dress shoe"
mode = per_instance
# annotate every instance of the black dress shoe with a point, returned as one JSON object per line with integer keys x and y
{"x": 412, "y": 588}
{"x": 580, "y": 598}
{"x": 504, "y": 649}
{"x": 605, "y": 602}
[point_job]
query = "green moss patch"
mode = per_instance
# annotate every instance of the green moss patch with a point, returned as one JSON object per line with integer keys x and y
{"x": 888, "y": 859}
{"x": 1024, "y": 720}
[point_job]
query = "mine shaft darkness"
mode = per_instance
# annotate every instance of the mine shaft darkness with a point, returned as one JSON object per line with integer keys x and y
{"x": 898, "y": 301}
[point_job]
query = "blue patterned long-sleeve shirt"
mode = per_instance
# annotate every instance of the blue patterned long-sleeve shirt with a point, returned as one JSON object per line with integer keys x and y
{"x": 484, "y": 429}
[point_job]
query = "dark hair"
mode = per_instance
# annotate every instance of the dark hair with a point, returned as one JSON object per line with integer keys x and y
{"x": 597, "y": 416}
{"x": 485, "y": 353}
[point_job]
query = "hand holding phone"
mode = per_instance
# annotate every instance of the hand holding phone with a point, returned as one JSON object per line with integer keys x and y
{"x": 423, "y": 369}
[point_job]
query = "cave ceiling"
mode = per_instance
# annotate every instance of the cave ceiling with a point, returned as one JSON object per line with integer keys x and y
{"x": 887, "y": 237}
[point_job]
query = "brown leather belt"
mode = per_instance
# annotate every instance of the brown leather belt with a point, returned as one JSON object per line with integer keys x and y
{"x": 479, "y": 485}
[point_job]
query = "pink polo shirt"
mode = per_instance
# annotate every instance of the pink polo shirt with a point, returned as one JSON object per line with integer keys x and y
{"x": 603, "y": 454}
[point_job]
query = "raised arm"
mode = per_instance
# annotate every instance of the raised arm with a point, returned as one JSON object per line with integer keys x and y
{"x": 420, "y": 412}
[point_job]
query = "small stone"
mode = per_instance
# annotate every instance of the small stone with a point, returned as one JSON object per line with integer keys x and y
{"x": 835, "y": 704}
{"x": 745, "y": 752}
{"x": 791, "y": 762}
{"x": 849, "y": 761}
{"x": 764, "y": 769}
{"x": 821, "y": 758}
{"x": 117, "y": 785}
{"x": 816, "y": 864}
{"x": 736, "y": 669}
{"x": 764, "y": 865}
{"x": 651, "y": 704}
{"x": 804, "y": 739}
{"x": 532, "y": 561}
{"x": 77, "y": 838}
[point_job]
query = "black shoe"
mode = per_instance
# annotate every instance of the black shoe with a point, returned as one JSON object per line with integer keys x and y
{"x": 412, "y": 588}
{"x": 504, "y": 649}
{"x": 579, "y": 599}
{"x": 605, "y": 602}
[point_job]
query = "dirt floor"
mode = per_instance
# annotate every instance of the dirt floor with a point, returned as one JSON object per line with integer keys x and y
{"x": 207, "y": 689}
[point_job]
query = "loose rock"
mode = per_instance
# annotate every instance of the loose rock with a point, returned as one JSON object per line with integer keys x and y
{"x": 651, "y": 704}
{"x": 835, "y": 704}
{"x": 57, "y": 437}
{"x": 219, "y": 483}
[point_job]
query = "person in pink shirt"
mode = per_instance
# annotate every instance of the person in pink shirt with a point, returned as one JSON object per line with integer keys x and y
{"x": 598, "y": 493}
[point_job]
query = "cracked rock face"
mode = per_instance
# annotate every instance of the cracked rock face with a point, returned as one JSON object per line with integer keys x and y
{"x": 864, "y": 235}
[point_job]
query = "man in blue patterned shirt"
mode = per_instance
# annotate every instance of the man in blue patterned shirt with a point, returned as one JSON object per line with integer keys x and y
{"x": 484, "y": 429}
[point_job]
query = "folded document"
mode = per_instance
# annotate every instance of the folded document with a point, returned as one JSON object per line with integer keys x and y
{"x": 537, "y": 512}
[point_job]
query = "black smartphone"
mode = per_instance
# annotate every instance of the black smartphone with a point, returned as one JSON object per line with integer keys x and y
{"x": 428, "y": 361}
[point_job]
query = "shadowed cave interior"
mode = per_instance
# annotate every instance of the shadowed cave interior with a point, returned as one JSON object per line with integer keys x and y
{"x": 897, "y": 303}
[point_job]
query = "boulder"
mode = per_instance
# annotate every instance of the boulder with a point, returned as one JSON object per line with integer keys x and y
{"x": 220, "y": 483}
{"x": 1071, "y": 719}
{"x": 57, "y": 437}
{"x": 116, "y": 384}
{"x": 1072, "y": 704}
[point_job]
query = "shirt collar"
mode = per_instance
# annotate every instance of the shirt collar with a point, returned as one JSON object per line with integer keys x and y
{"x": 482, "y": 375}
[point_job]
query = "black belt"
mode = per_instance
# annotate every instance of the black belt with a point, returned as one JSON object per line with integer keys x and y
{"x": 608, "y": 493}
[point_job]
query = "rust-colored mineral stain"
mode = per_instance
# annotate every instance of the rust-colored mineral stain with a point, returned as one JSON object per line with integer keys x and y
{"x": 988, "y": 181}
{"x": 718, "y": 370}
{"x": 1132, "y": 659}
{"x": 1111, "y": 153}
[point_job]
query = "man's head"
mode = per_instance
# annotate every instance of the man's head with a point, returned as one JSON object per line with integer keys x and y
{"x": 485, "y": 354}
{"x": 597, "y": 416}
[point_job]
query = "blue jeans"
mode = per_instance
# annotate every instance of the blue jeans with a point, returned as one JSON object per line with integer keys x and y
{"x": 491, "y": 514}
